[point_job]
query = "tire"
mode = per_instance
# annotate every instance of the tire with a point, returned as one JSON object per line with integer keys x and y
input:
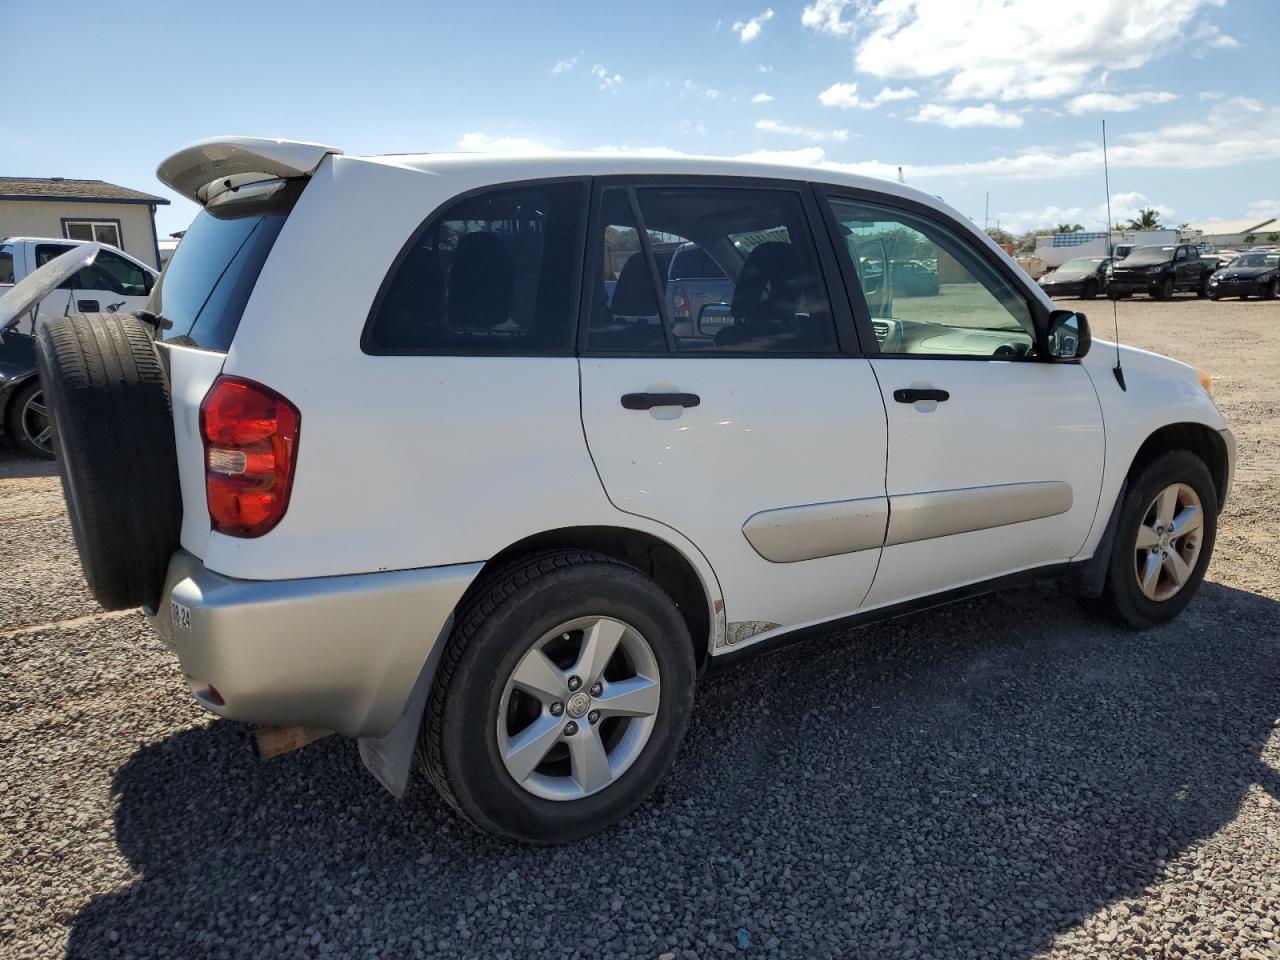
{"x": 108, "y": 399}
{"x": 498, "y": 625}
{"x": 1203, "y": 290}
{"x": 1164, "y": 291}
{"x": 1273, "y": 291}
{"x": 28, "y": 422}
{"x": 1123, "y": 596}
{"x": 1215, "y": 297}
{"x": 1090, "y": 290}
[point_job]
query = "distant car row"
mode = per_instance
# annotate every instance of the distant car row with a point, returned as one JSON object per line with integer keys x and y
{"x": 1162, "y": 271}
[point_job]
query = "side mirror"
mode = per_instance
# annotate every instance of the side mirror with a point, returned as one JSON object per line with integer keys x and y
{"x": 1063, "y": 335}
{"x": 714, "y": 317}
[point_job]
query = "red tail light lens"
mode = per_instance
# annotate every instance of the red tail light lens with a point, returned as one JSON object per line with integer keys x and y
{"x": 680, "y": 302}
{"x": 250, "y": 446}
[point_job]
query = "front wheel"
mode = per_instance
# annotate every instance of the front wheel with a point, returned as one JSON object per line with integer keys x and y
{"x": 29, "y": 427}
{"x": 1273, "y": 291}
{"x": 1165, "y": 290}
{"x": 1167, "y": 526}
{"x": 1090, "y": 290}
{"x": 1204, "y": 288}
{"x": 561, "y": 699}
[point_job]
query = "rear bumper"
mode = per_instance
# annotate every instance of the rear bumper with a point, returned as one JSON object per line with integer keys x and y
{"x": 341, "y": 653}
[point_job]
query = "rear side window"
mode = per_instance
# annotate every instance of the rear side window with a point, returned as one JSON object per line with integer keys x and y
{"x": 204, "y": 288}
{"x": 6, "y": 264}
{"x": 490, "y": 274}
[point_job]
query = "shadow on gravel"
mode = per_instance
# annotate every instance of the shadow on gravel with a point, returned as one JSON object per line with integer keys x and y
{"x": 19, "y": 465}
{"x": 972, "y": 781}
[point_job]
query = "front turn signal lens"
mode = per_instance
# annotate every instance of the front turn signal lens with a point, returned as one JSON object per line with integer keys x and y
{"x": 1205, "y": 381}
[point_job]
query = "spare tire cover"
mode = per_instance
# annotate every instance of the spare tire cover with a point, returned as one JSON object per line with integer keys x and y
{"x": 108, "y": 399}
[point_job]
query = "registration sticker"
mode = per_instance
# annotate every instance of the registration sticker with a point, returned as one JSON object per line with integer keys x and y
{"x": 180, "y": 615}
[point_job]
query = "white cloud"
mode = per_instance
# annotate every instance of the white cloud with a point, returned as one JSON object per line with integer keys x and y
{"x": 1263, "y": 208}
{"x": 987, "y": 115}
{"x": 762, "y": 98}
{"x": 888, "y": 94}
{"x": 1208, "y": 36}
{"x": 712, "y": 93}
{"x": 1124, "y": 207}
{"x": 808, "y": 133}
{"x": 843, "y": 95}
{"x": 486, "y": 144}
{"x": 564, "y": 66}
{"x": 1117, "y": 102}
{"x": 827, "y": 16}
{"x": 1003, "y": 50}
{"x": 764, "y": 68}
{"x": 748, "y": 30}
{"x": 846, "y": 95}
{"x": 609, "y": 82}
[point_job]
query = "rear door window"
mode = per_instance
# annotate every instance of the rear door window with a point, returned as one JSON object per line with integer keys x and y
{"x": 204, "y": 288}
{"x": 752, "y": 284}
{"x": 492, "y": 273}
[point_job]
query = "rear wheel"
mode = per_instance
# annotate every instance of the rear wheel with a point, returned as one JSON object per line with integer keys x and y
{"x": 1204, "y": 288}
{"x": 1167, "y": 526}
{"x": 29, "y": 427}
{"x": 1273, "y": 291}
{"x": 561, "y": 699}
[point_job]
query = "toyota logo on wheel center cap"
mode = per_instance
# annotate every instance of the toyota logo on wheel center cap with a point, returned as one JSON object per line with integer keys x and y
{"x": 579, "y": 704}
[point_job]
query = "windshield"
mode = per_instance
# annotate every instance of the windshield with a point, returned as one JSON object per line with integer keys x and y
{"x": 1081, "y": 265}
{"x": 1256, "y": 260}
{"x": 1150, "y": 255}
{"x": 207, "y": 282}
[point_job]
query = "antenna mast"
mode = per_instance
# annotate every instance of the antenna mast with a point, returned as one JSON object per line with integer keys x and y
{"x": 1115, "y": 306}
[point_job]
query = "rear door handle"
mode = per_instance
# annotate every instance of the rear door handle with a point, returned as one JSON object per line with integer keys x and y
{"x": 647, "y": 401}
{"x": 912, "y": 394}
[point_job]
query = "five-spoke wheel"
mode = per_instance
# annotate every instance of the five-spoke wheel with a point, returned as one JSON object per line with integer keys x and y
{"x": 579, "y": 708}
{"x": 1168, "y": 542}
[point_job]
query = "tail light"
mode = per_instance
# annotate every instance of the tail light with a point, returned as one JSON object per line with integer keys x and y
{"x": 680, "y": 304}
{"x": 250, "y": 446}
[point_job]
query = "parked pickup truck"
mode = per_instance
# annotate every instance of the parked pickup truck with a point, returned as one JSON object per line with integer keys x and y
{"x": 111, "y": 282}
{"x": 1161, "y": 271}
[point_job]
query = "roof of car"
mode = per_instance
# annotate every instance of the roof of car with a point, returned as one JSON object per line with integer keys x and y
{"x": 60, "y": 188}
{"x": 639, "y": 163}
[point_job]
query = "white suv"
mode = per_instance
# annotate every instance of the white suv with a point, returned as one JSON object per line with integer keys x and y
{"x": 428, "y": 464}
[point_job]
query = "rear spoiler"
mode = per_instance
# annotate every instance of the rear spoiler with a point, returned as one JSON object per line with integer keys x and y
{"x": 206, "y": 168}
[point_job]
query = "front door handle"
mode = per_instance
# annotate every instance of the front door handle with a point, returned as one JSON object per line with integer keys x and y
{"x": 912, "y": 394}
{"x": 647, "y": 401}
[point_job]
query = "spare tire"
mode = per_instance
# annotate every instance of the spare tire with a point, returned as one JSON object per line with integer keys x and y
{"x": 108, "y": 399}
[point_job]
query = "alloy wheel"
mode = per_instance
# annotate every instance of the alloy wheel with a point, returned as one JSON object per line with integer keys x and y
{"x": 578, "y": 708}
{"x": 35, "y": 422}
{"x": 1169, "y": 539}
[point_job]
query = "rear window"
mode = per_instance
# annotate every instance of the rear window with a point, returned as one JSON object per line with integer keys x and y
{"x": 694, "y": 263}
{"x": 207, "y": 282}
{"x": 490, "y": 274}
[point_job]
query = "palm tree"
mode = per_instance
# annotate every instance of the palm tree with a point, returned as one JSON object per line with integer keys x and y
{"x": 1070, "y": 228}
{"x": 1148, "y": 219}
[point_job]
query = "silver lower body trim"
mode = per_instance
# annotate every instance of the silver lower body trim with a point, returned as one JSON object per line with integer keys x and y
{"x": 341, "y": 653}
{"x": 813, "y": 530}
{"x": 944, "y": 513}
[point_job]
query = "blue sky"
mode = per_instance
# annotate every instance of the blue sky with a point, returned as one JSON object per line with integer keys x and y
{"x": 969, "y": 96}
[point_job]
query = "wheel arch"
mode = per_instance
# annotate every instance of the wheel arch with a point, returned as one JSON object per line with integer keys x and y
{"x": 657, "y": 558}
{"x": 1205, "y": 442}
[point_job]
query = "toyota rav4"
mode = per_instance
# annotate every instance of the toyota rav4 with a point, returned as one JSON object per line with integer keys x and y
{"x": 474, "y": 508}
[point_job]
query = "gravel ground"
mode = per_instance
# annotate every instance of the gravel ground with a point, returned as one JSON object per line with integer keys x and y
{"x": 1001, "y": 778}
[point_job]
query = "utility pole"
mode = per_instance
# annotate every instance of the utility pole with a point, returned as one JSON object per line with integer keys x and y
{"x": 986, "y": 213}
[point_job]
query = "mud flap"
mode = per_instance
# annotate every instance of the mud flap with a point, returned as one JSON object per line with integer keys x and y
{"x": 390, "y": 757}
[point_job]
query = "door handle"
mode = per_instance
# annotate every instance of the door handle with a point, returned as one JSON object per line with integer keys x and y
{"x": 647, "y": 401}
{"x": 912, "y": 394}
